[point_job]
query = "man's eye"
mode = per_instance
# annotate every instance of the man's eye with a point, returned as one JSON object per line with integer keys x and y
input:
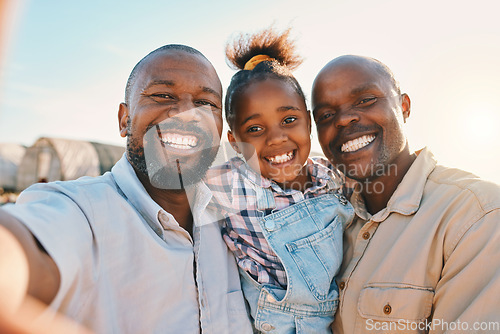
{"x": 207, "y": 103}
{"x": 162, "y": 96}
{"x": 254, "y": 128}
{"x": 365, "y": 102}
{"x": 324, "y": 116}
{"x": 289, "y": 119}
{"x": 208, "y": 106}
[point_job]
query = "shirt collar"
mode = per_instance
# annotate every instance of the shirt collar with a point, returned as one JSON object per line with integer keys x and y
{"x": 247, "y": 172}
{"x": 321, "y": 171}
{"x": 318, "y": 170}
{"x": 136, "y": 194}
{"x": 201, "y": 195}
{"x": 408, "y": 195}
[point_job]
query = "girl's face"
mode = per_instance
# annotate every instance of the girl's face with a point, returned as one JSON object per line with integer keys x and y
{"x": 272, "y": 128}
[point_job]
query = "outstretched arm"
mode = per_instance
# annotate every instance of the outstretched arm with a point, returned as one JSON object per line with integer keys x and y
{"x": 29, "y": 280}
{"x": 28, "y": 268}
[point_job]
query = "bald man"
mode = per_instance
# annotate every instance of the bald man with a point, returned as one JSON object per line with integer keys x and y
{"x": 423, "y": 252}
{"x": 135, "y": 250}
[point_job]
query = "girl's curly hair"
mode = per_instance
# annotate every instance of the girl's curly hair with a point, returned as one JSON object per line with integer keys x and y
{"x": 268, "y": 42}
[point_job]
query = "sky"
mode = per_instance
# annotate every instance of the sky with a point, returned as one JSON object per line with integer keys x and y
{"x": 64, "y": 64}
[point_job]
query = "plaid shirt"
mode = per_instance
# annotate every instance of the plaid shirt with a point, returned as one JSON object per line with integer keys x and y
{"x": 233, "y": 187}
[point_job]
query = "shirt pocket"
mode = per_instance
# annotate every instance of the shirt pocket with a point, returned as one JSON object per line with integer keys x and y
{"x": 402, "y": 303}
{"x": 318, "y": 258}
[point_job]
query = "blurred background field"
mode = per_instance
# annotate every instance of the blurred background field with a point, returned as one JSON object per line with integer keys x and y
{"x": 64, "y": 64}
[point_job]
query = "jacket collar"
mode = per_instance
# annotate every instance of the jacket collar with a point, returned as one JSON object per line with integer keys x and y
{"x": 408, "y": 195}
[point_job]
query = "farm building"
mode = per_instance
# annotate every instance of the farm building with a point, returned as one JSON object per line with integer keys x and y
{"x": 10, "y": 157}
{"x": 52, "y": 159}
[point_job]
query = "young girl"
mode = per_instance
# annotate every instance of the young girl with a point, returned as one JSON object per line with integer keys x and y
{"x": 283, "y": 212}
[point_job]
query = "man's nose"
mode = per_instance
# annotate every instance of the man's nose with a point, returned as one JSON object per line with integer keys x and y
{"x": 276, "y": 135}
{"x": 345, "y": 117}
{"x": 185, "y": 109}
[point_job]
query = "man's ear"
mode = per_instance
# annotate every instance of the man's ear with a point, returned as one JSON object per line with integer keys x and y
{"x": 405, "y": 106}
{"x": 310, "y": 124}
{"x": 232, "y": 141}
{"x": 123, "y": 119}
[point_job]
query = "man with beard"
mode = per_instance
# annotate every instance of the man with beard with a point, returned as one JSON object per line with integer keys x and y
{"x": 134, "y": 250}
{"x": 422, "y": 253}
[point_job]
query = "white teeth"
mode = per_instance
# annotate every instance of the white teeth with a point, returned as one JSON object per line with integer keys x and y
{"x": 178, "y": 141}
{"x": 279, "y": 159}
{"x": 356, "y": 144}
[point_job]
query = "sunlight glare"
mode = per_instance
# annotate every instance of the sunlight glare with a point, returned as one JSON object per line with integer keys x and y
{"x": 481, "y": 123}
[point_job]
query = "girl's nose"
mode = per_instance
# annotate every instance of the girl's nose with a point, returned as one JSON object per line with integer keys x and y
{"x": 276, "y": 135}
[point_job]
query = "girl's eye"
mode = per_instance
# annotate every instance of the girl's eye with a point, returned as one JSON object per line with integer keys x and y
{"x": 289, "y": 119}
{"x": 254, "y": 128}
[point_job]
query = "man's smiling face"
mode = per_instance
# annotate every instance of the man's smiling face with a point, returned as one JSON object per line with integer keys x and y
{"x": 173, "y": 120}
{"x": 359, "y": 115}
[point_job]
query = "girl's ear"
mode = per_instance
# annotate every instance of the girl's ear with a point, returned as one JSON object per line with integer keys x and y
{"x": 232, "y": 141}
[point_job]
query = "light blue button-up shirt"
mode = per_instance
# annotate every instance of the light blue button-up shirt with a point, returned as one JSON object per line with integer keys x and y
{"x": 126, "y": 265}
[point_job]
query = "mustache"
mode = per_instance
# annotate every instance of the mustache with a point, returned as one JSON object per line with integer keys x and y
{"x": 349, "y": 131}
{"x": 175, "y": 124}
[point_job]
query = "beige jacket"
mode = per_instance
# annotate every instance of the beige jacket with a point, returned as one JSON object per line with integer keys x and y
{"x": 429, "y": 262}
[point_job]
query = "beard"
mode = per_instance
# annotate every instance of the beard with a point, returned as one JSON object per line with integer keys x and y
{"x": 165, "y": 169}
{"x": 382, "y": 161}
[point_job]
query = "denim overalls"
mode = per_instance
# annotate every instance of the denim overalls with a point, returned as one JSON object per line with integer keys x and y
{"x": 307, "y": 237}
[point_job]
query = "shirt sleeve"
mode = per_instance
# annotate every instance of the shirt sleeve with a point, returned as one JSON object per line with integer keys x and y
{"x": 467, "y": 295}
{"x": 56, "y": 218}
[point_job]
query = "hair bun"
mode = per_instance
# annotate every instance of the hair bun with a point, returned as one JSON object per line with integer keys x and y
{"x": 268, "y": 42}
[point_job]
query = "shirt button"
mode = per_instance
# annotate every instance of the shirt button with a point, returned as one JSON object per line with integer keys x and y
{"x": 366, "y": 235}
{"x": 387, "y": 309}
{"x": 341, "y": 285}
{"x": 270, "y": 225}
{"x": 267, "y": 327}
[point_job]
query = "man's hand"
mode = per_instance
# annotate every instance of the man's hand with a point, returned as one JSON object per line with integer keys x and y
{"x": 14, "y": 273}
{"x": 29, "y": 280}
{"x": 27, "y": 320}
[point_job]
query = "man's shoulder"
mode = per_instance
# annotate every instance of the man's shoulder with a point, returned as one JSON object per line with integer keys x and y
{"x": 463, "y": 205}
{"x": 85, "y": 183}
{"x": 84, "y": 188}
{"x": 465, "y": 186}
